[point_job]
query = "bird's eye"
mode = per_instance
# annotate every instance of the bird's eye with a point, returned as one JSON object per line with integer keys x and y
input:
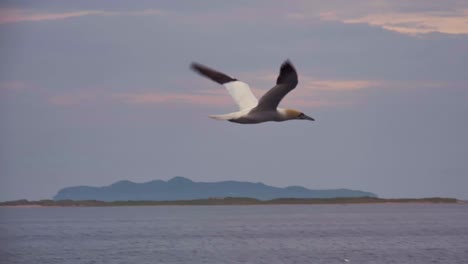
{"x": 301, "y": 116}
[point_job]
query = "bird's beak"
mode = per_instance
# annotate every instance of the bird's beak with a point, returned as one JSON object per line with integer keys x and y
{"x": 308, "y": 118}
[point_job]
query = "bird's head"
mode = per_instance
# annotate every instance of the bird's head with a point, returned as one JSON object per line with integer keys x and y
{"x": 292, "y": 114}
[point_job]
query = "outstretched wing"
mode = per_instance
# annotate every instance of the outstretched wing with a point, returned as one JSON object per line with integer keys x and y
{"x": 286, "y": 82}
{"x": 239, "y": 91}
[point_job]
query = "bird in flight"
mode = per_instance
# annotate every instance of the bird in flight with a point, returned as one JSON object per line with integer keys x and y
{"x": 251, "y": 110}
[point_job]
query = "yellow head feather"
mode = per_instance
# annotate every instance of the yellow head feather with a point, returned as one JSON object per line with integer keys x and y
{"x": 292, "y": 114}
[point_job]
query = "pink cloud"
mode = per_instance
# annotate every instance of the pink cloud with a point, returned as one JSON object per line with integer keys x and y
{"x": 311, "y": 91}
{"x": 73, "y": 99}
{"x": 13, "y": 85}
{"x": 8, "y": 15}
{"x": 328, "y": 16}
{"x": 167, "y": 98}
{"x": 418, "y": 23}
{"x": 337, "y": 85}
{"x": 145, "y": 12}
{"x": 268, "y": 79}
{"x": 314, "y": 103}
{"x": 221, "y": 98}
{"x": 410, "y": 23}
{"x": 404, "y": 17}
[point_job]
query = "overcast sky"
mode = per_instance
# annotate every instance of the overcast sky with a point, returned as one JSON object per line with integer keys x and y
{"x": 91, "y": 94}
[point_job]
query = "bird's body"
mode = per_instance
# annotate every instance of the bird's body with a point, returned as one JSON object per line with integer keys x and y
{"x": 247, "y": 116}
{"x": 251, "y": 110}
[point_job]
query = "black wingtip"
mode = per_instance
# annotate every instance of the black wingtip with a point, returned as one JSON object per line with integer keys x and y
{"x": 287, "y": 73}
{"x": 193, "y": 66}
{"x": 287, "y": 67}
{"x": 196, "y": 66}
{"x": 216, "y": 76}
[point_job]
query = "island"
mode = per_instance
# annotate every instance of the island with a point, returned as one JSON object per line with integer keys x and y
{"x": 183, "y": 191}
{"x": 225, "y": 201}
{"x": 180, "y": 188}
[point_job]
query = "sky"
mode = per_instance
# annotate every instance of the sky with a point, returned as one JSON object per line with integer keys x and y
{"x": 92, "y": 93}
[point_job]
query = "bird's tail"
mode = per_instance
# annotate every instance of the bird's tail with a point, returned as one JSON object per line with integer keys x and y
{"x": 221, "y": 117}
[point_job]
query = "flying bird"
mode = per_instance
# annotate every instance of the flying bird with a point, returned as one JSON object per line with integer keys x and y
{"x": 251, "y": 110}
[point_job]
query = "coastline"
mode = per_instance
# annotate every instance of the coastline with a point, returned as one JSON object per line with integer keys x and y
{"x": 229, "y": 201}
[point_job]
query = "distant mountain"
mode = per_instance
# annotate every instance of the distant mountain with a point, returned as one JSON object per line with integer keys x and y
{"x": 180, "y": 188}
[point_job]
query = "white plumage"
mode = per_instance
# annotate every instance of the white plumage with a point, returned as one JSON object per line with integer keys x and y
{"x": 242, "y": 95}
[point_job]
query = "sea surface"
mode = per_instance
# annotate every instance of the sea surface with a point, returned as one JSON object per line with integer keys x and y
{"x": 368, "y": 233}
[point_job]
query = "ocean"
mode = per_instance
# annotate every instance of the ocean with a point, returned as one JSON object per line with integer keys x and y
{"x": 366, "y": 233}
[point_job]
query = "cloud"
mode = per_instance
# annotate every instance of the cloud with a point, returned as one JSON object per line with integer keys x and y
{"x": 395, "y": 16}
{"x": 208, "y": 99}
{"x": 320, "y": 93}
{"x": 267, "y": 79}
{"x": 312, "y": 92}
{"x": 415, "y": 23}
{"x": 9, "y": 15}
{"x": 74, "y": 98}
{"x": 305, "y": 95}
{"x": 13, "y": 86}
{"x": 18, "y": 15}
{"x": 406, "y": 17}
{"x": 337, "y": 85}
{"x": 173, "y": 98}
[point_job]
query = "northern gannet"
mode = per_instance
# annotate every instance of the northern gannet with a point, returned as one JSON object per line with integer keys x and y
{"x": 251, "y": 110}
